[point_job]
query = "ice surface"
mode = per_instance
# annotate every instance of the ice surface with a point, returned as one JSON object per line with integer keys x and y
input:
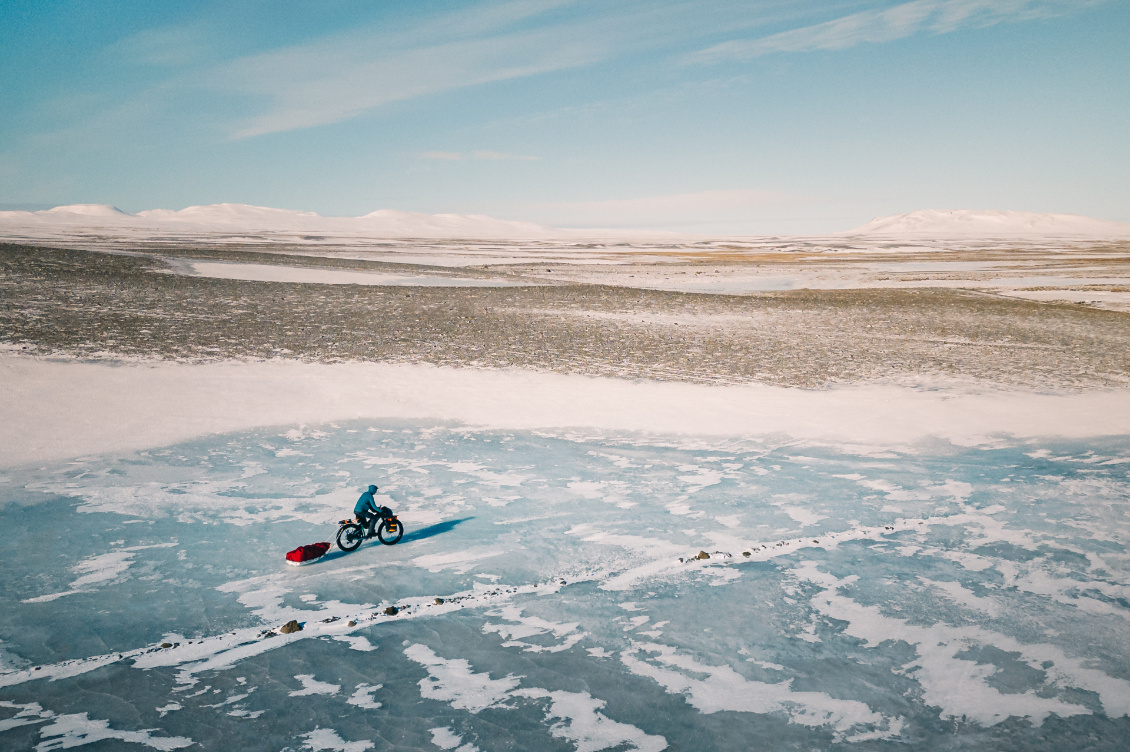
{"x": 551, "y": 596}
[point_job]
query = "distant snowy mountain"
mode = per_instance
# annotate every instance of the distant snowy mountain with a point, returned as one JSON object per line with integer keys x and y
{"x": 965, "y": 223}
{"x": 84, "y": 210}
{"x": 245, "y": 219}
{"x": 237, "y": 215}
{"x": 290, "y": 225}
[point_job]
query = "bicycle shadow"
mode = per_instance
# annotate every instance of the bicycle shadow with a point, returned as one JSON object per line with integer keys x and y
{"x": 433, "y": 530}
{"x": 423, "y": 534}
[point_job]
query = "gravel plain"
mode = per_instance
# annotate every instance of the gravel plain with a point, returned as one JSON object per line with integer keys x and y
{"x": 127, "y": 305}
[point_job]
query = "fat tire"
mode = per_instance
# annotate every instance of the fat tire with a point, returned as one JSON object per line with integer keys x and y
{"x": 350, "y": 537}
{"x": 387, "y": 538}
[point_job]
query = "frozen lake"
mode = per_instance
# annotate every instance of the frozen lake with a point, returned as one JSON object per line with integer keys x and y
{"x": 965, "y": 598}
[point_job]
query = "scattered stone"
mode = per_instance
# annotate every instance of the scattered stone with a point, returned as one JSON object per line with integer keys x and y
{"x": 392, "y": 611}
{"x": 746, "y": 553}
{"x": 330, "y": 619}
{"x": 291, "y": 627}
{"x": 166, "y": 644}
{"x": 439, "y": 601}
{"x": 702, "y": 555}
{"x": 352, "y": 624}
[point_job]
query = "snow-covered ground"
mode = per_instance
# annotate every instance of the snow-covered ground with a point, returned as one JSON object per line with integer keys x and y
{"x": 278, "y": 273}
{"x": 58, "y": 410}
{"x": 1096, "y": 283}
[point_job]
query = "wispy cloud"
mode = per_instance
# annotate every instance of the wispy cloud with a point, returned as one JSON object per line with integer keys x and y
{"x": 335, "y": 77}
{"x": 338, "y": 77}
{"x": 898, "y": 22}
{"x": 166, "y": 46}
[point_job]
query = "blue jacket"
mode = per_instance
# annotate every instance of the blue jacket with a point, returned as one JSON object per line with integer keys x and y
{"x": 365, "y": 504}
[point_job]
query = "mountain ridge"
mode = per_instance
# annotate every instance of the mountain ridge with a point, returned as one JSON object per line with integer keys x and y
{"x": 395, "y": 223}
{"x": 985, "y": 223}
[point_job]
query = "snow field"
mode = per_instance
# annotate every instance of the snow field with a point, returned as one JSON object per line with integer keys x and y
{"x": 58, "y": 409}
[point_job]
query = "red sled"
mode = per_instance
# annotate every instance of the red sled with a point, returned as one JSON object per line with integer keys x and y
{"x": 307, "y": 554}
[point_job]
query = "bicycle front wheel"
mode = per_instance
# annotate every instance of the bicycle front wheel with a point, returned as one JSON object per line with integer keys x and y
{"x": 390, "y": 532}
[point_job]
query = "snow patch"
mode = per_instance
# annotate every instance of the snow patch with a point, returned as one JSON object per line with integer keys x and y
{"x": 357, "y": 642}
{"x": 309, "y": 275}
{"x": 725, "y": 689}
{"x": 959, "y": 686}
{"x": 524, "y": 627}
{"x": 311, "y": 686}
{"x": 99, "y": 569}
{"x": 26, "y": 714}
{"x": 445, "y": 738}
{"x": 362, "y": 696}
{"x": 327, "y": 739}
{"x": 77, "y": 729}
{"x": 452, "y": 681}
{"x": 577, "y": 720}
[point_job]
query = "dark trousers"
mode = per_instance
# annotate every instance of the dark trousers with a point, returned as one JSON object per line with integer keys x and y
{"x": 367, "y": 520}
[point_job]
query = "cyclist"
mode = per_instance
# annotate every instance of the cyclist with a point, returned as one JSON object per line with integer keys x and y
{"x": 367, "y": 511}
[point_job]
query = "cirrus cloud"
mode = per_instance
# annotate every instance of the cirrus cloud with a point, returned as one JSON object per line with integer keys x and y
{"x": 890, "y": 24}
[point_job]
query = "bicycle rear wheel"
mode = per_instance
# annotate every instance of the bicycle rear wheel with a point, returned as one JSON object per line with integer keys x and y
{"x": 350, "y": 537}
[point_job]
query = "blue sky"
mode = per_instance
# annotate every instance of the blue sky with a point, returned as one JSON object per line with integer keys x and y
{"x": 754, "y": 117}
